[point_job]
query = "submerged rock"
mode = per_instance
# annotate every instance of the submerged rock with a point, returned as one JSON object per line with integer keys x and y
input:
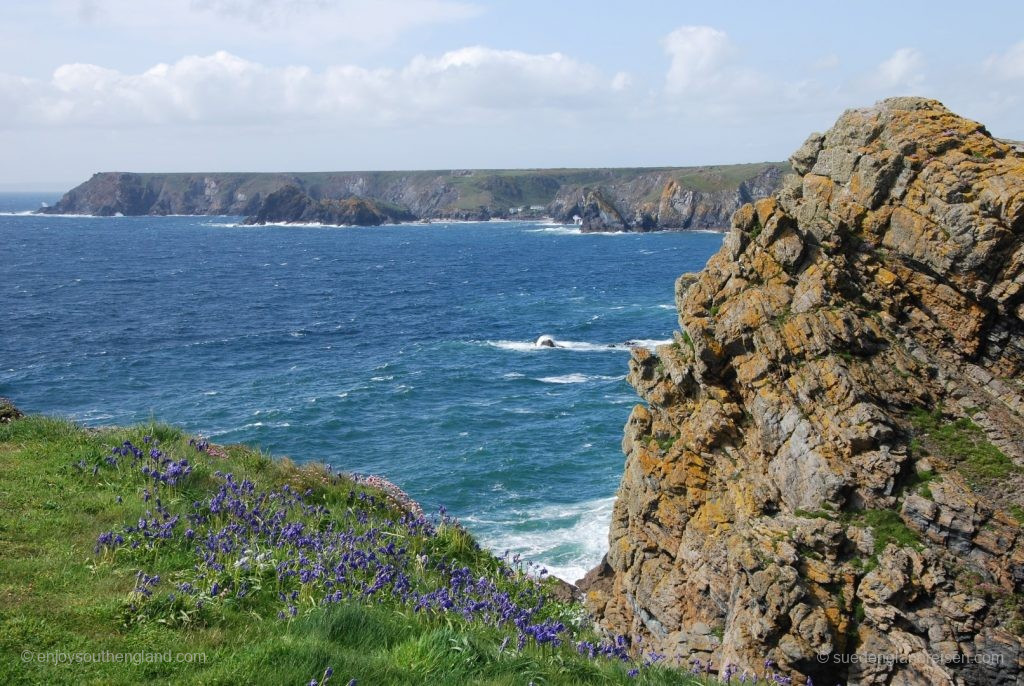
{"x": 829, "y": 470}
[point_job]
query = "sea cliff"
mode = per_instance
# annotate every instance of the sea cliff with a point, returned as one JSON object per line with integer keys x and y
{"x": 827, "y": 471}
{"x": 598, "y": 199}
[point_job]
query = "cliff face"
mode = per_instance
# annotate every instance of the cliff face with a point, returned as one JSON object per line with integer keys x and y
{"x": 655, "y": 201}
{"x": 829, "y": 472}
{"x": 291, "y": 204}
{"x": 602, "y": 199}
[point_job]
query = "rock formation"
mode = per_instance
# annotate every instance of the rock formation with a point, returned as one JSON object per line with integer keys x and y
{"x": 603, "y": 199}
{"x": 8, "y": 411}
{"x": 828, "y": 471}
{"x": 293, "y": 205}
{"x": 704, "y": 199}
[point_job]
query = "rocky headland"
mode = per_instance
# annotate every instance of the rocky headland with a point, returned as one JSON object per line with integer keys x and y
{"x": 828, "y": 469}
{"x": 596, "y": 199}
{"x": 293, "y": 205}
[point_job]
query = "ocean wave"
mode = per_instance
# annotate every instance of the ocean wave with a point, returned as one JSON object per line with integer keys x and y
{"x": 577, "y": 378}
{"x": 578, "y": 346}
{"x": 650, "y": 343}
{"x": 571, "y": 541}
{"x": 33, "y": 213}
{"x": 250, "y": 425}
{"x": 558, "y": 230}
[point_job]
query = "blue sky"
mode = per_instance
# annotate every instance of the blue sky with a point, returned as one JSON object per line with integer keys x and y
{"x": 194, "y": 85}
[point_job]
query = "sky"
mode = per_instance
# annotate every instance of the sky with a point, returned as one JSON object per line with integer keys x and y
{"x": 322, "y": 85}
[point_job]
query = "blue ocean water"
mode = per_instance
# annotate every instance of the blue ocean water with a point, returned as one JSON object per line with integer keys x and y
{"x": 405, "y": 351}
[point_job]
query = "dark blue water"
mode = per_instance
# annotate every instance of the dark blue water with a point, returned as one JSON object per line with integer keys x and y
{"x": 404, "y": 351}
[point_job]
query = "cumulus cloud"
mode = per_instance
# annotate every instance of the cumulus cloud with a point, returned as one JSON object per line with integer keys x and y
{"x": 1008, "y": 65}
{"x": 904, "y": 69}
{"x": 222, "y": 88}
{"x": 699, "y": 55}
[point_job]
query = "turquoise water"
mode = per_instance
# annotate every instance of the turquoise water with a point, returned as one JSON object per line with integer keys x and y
{"x": 404, "y": 351}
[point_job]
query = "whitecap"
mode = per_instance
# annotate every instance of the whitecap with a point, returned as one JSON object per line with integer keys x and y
{"x": 577, "y": 378}
{"x": 651, "y": 343}
{"x": 557, "y": 230}
{"x": 573, "y": 539}
{"x": 577, "y": 346}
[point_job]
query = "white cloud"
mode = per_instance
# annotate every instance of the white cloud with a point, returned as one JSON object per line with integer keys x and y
{"x": 1008, "y": 65}
{"x": 904, "y": 69}
{"x": 699, "y": 55}
{"x": 474, "y": 83}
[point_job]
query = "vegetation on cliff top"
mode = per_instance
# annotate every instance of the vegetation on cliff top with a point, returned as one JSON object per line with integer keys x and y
{"x": 144, "y": 541}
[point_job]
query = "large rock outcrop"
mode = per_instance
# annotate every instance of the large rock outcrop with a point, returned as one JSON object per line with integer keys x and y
{"x": 293, "y": 205}
{"x": 703, "y": 198}
{"x": 828, "y": 470}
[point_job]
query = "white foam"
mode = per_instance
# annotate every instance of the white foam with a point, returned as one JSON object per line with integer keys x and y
{"x": 558, "y": 230}
{"x": 573, "y": 540}
{"x": 578, "y": 346}
{"x": 650, "y": 343}
{"x": 577, "y": 378}
{"x": 32, "y": 213}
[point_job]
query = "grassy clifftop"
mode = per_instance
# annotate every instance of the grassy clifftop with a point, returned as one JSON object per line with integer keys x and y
{"x": 216, "y": 564}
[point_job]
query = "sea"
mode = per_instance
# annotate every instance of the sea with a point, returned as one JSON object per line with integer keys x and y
{"x": 405, "y": 351}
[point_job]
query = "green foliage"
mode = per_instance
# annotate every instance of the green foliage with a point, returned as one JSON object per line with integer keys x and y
{"x": 57, "y": 594}
{"x": 888, "y": 527}
{"x": 689, "y": 342}
{"x": 1018, "y": 513}
{"x": 918, "y": 482}
{"x": 666, "y": 443}
{"x": 963, "y": 442}
{"x": 813, "y": 514}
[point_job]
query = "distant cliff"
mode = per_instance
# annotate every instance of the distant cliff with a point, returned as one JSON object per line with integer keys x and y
{"x": 829, "y": 470}
{"x": 598, "y": 199}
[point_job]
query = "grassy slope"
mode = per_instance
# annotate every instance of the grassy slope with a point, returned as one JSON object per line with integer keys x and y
{"x": 56, "y": 593}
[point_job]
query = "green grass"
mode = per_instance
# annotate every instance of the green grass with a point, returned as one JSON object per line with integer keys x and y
{"x": 57, "y": 594}
{"x": 888, "y": 527}
{"x": 963, "y": 442}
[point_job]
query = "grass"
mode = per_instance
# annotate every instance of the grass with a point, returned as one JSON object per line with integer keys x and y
{"x": 888, "y": 527}
{"x": 964, "y": 443}
{"x": 59, "y": 594}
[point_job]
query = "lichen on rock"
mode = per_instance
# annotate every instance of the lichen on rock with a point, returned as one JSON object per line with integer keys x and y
{"x": 782, "y": 497}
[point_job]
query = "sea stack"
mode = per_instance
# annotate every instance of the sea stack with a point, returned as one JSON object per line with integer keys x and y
{"x": 828, "y": 470}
